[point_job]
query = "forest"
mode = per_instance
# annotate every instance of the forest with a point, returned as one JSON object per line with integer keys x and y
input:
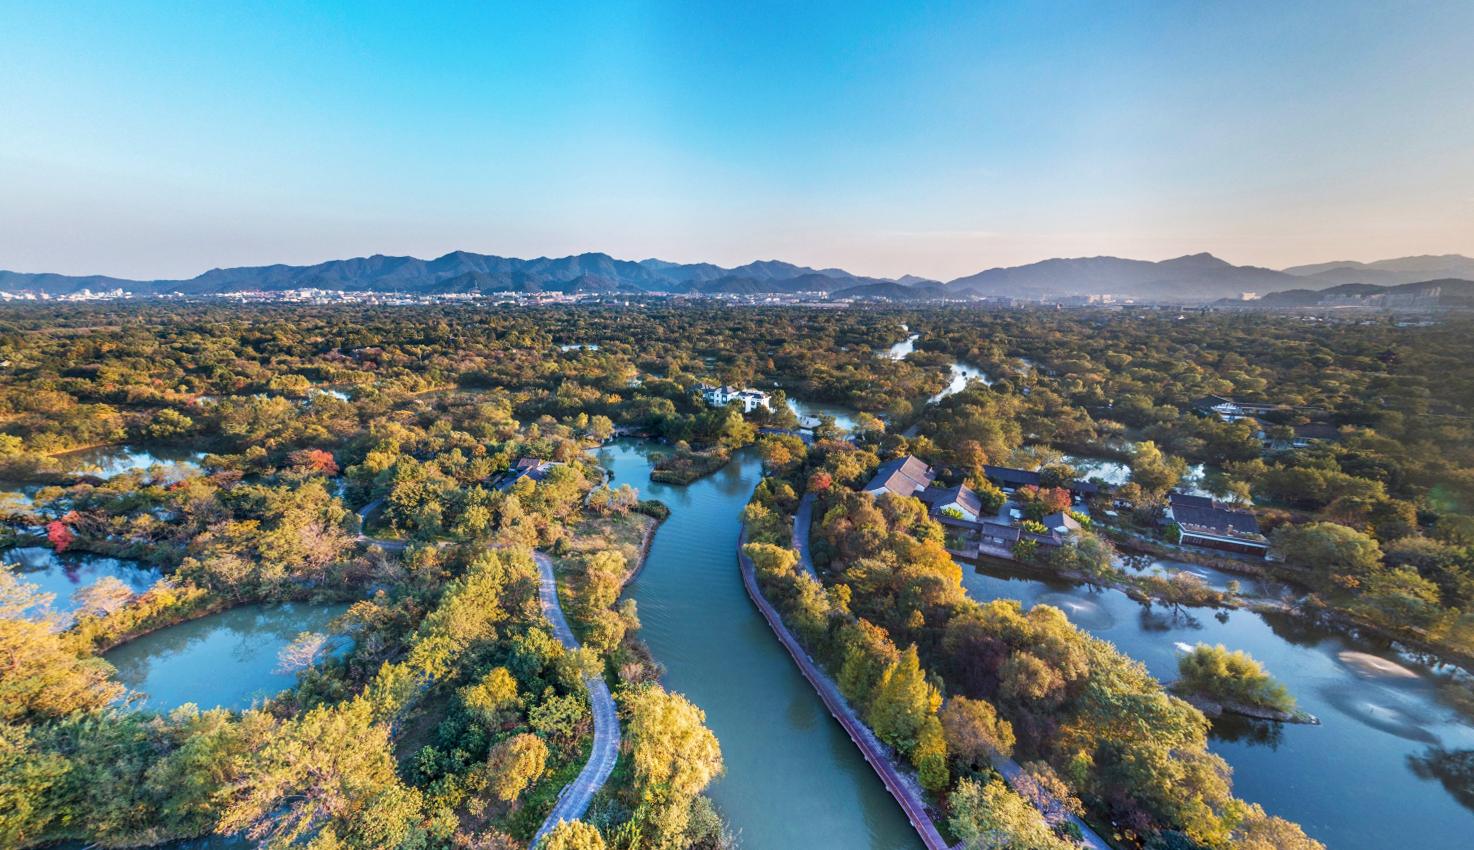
{"x": 453, "y": 718}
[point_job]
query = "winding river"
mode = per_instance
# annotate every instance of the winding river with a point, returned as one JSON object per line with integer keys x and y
{"x": 794, "y": 779}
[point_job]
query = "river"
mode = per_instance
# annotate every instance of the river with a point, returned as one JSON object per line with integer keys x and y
{"x": 794, "y": 779}
{"x": 226, "y": 659}
{"x": 1349, "y": 782}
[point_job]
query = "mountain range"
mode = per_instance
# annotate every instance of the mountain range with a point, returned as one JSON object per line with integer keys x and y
{"x": 1196, "y": 277}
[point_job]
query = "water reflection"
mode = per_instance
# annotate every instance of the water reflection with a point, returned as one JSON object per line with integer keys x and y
{"x": 1249, "y": 731}
{"x": 1349, "y": 782}
{"x": 226, "y": 659}
{"x": 794, "y": 779}
{"x": 1453, "y": 768}
{"x": 109, "y": 461}
{"x": 64, "y": 574}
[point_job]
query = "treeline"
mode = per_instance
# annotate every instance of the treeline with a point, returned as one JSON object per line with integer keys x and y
{"x": 954, "y": 685}
{"x": 454, "y": 717}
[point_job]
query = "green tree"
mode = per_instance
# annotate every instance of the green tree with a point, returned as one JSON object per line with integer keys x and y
{"x": 1230, "y": 677}
{"x": 41, "y": 677}
{"x": 328, "y": 778}
{"x": 903, "y": 703}
{"x": 572, "y": 835}
{"x": 515, "y": 764}
{"x": 991, "y": 817}
{"x": 975, "y": 734}
{"x": 1327, "y": 548}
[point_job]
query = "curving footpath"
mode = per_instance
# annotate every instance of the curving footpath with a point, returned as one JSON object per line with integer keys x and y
{"x": 870, "y": 747}
{"x": 801, "y": 522}
{"x": 576, "y": 796}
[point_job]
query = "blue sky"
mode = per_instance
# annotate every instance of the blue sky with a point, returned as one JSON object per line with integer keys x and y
{"x": 149, "y": 139}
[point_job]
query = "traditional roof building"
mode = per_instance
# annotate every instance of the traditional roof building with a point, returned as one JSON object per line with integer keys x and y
{"x": 1009, "y": 478}
{"x": 1216, "y": 525}
{"x": 904, "y": 476}
{"x": 528, "y": 467}
{"x": 961, "y": 499}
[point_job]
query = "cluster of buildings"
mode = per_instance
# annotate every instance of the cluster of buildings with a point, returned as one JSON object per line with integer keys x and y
{"x": 79, "y": 295}
{"x": 1204, "y": 522}
{"x": 1248, "y": 412}
{"x": 960, "y": 506}
{"x": 531, "y": 468}
{"x": 724, "y": 395}
{"x": 1213, "y": 524}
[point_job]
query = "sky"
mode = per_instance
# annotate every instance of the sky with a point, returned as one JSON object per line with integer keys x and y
{"x": 159, "y": 140}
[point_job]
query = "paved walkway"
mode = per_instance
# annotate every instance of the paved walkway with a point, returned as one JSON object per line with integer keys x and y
{"x": 801, "y": 522}
{"x": 363, "y": 513}
{"x": 576, "y": 796}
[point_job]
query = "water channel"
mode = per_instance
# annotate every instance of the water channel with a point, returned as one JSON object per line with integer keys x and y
{"x": 794, "y": 779}
{"x": 108, "y": 461}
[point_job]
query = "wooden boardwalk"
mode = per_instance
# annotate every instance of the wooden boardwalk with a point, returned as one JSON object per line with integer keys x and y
{"x": 905, "y": 792}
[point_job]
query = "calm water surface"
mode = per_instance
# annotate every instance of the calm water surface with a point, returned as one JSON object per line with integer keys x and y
{"x": 1349, "y": 782}
{"x": 225, "y": 659}
{"x": 108, "y": 461}
{"x": 794, "y": 779}
{"x": 66, "y": 573}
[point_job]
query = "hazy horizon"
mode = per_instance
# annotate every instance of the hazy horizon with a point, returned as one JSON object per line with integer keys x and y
{"x": 158, "y": 141}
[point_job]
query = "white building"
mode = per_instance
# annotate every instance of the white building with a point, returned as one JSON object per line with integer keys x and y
{"x": 723, "y": 396}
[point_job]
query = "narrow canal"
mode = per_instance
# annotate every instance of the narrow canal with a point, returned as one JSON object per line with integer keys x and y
{"x": 794, "y": 779}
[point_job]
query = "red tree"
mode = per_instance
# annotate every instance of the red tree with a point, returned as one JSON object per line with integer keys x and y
{"x": 60, "y": 536}
{"x": 313, "y": 460}
{"x": 1056, "y": 499}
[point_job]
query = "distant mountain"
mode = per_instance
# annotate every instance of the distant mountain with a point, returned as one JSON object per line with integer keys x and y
{"x": 894, "y": 291}
{"x": 1389, "y": 272}
{"x": 1453, "y": 293}
{"x": 1197, "y": 277}
{"x": 461, "y": 271}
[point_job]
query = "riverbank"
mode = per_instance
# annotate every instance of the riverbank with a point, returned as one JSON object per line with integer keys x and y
{"x": 905, "y": 790}
{"x": 1217, "y": 708}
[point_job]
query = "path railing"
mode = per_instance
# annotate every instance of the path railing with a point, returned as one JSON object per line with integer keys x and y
{"x": 870, "y": 747}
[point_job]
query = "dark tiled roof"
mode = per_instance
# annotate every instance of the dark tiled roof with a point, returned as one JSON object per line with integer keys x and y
{"x": 1025, "y": 478}
{"x": 1215, "y": 517}
{"x": 963, "y": 496}
{"x": 1317, "y": 431}
{"x": 1060, "y": 520}
{"x": 1009, "y": 475}
{"x": 904, "y": 475}
{"x": 1176, "y": 499}
{"x": 1006, "y": 532}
